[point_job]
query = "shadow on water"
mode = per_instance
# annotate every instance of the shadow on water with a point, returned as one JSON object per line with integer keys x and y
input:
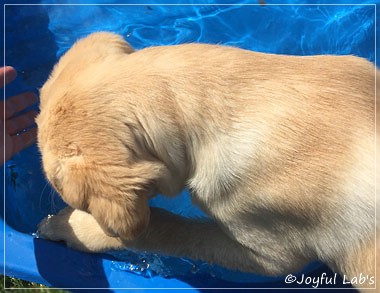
{"x": 31, "y": 49}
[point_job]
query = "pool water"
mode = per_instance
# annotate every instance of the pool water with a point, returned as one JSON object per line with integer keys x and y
{"x": 37, "y": 35}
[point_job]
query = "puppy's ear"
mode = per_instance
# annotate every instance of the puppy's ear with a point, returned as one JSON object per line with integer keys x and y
{"x": 119, "y": 201}
{"x": 125, "y": 218}
{"x": 65, "y": 175}
{"x": 116, "y": 195}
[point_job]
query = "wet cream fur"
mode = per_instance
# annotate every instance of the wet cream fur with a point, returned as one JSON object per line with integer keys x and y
{"x": 278, "y": 150}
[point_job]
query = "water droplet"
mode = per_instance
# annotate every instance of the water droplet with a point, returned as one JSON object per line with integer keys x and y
{"x": 144, "y": 264}
{"x": 36, "y": 235}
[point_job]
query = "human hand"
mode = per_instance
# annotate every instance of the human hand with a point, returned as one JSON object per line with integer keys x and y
{"x": 15, "y": 137}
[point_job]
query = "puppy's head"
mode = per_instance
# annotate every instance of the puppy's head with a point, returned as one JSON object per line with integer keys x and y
{"x": 115, "y": 194}
{"x": 86, "y": 149}
{"x": 87, "y": 51}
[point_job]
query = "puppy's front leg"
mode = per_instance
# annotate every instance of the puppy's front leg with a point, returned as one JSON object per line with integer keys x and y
{"x": 198, "y": 239}
{"x": 167, "y": 233}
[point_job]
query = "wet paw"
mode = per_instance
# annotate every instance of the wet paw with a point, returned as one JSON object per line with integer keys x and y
{"x": 55, "y": 227}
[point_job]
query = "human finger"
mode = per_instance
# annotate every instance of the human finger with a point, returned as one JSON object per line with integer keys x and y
{"x": 18, "y": 103}
{"x": 19, "y": 123}
{"x": 24, "y": 140}
{"x": 7, "y": 74}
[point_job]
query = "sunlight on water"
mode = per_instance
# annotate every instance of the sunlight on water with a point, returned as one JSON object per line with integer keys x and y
{"x": 299, "y": 30}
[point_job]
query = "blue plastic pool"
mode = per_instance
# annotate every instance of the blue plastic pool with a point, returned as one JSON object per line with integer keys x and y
{"x": 37, "y": 35}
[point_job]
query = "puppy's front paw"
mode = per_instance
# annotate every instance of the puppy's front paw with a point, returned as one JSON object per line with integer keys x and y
{"x": 56, "y": 227}
{"x": 78, "y": 230}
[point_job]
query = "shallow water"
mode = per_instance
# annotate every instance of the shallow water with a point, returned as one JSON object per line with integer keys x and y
{"x": 36, "y": 36}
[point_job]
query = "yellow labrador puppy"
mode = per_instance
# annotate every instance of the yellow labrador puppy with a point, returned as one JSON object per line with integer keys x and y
{"x": 278, "y": 150}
